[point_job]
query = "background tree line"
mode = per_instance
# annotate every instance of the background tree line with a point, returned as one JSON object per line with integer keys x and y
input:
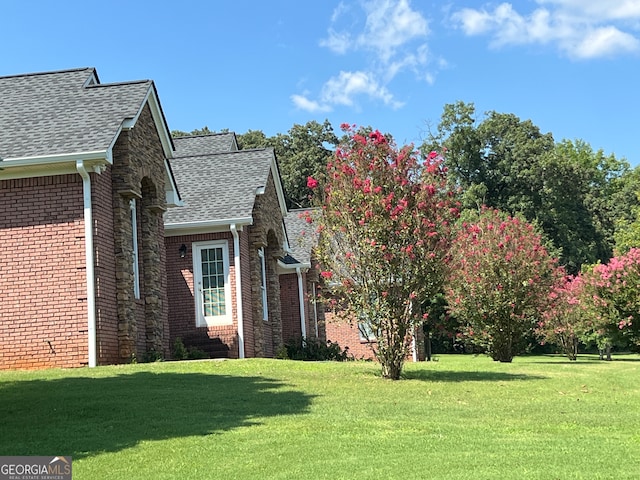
{"x": 584, "y": 201}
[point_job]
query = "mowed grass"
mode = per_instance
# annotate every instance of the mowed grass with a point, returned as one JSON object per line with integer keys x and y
{"x": 462, "y": 417}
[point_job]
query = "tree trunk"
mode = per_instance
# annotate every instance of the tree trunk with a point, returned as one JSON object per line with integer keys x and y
{"x": 392, "y": 369}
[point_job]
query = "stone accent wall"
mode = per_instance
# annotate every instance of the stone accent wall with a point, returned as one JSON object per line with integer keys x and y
{"x": 43, "y": 309}
{"x": 267, "y": 232}
{"x": 138, "y": 173}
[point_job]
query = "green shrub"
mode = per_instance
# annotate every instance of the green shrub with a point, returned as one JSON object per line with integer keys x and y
{"x": 151, "y": 356}
{"x": 195, "y": 353}
{"x": 179, "y": 351}
{"x": 311, "y": 349}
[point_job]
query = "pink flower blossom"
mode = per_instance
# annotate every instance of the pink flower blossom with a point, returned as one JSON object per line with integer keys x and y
{"x": 312, "y": 183}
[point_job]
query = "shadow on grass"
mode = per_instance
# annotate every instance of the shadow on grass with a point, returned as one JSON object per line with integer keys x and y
{"x": 463, "y": 376}
{"x": 87, "y": 416}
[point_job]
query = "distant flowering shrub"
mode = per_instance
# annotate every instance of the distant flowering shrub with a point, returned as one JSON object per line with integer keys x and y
{"x": 567, "y": 316}
{"x": 499, "y": 282}
{"x": 613, "y": 290}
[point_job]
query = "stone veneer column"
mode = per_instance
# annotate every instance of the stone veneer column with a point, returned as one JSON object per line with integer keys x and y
{"x": 127, "y": 324}
{"x": 153, "y": 295}
{"x": 138, "y": 172}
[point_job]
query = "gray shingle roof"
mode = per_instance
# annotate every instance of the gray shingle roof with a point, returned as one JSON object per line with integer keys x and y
{"x": 57, "y": 113}
{"x": 302, "y": 235}
{"x": 199, "y": 144}
{"x": 219, "y": 186}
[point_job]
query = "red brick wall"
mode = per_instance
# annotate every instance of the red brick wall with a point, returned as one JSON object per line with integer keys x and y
{"x": 105, "y": 269}
{"x": 247, "y": 304}
{"x": 43, "y": 311}
{"x": 339, "y": 331}
{"x": 290, "y": 308}
{"x": 180, "y": 289}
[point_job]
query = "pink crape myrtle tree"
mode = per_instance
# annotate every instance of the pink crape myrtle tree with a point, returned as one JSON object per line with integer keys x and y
{"x": 384, "y": 232}
{"x": 566, "y": 318}
{"x": 614, "y": 292}
{"x": 499, "y": 283}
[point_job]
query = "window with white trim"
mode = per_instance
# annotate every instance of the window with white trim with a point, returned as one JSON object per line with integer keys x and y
{"x": 213, "y": 287}
{"x": 134, "y": 240}
{"x": 263, "y": 285}
{"x": 365, "y": 331}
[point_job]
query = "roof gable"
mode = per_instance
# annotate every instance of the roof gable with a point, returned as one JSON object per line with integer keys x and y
{"x": 301, "y": 234}
{"x": 220, "y": 187}
{"x": 201, "y": 144}
{"x": 51, "y": 119}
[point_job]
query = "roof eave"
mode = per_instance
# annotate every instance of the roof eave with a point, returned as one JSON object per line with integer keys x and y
{"x": 205, "y": 226}
{"x": 40, "y": 166}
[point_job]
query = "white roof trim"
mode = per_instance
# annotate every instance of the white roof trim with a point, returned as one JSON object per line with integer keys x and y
{"x": 206, "y": 226}
{"x": 58, "y": 158}
{"x": 278, "y": 182}
{"x": 287, "y": 268}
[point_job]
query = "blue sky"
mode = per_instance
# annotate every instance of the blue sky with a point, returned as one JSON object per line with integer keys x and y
{"x": 570, "y": 66}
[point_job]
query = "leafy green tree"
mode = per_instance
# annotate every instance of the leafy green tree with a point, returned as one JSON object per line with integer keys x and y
{"x": 303, "y": 152}
{"x": 198, "y": 131}
{"x": 573, "y": 193}
{"x": 384, "y": 228}
{"x": 627, "y": 232}
{"x": 499, "y": 284}
{"x": 253, "y": 139}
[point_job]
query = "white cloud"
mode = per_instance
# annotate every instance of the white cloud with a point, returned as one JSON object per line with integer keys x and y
{"x": 303, "y": 103}
{"x": 579, "y": 28}
{"x": 342, "y": 89}
{"x": 338, "y": 42}
{"x": 390, "y": 25}
{"x": 600, "y": 9}
{"x": 387, "y": 41}
{"x": 606, "y": 41}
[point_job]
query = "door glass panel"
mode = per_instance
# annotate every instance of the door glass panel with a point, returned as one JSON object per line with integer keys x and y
{"x": 213, "y": 295}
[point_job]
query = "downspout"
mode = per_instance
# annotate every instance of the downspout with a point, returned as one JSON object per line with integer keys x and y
{"x": 236, "y": 266}
{"x": 303, "y": 323}
{"x": 89, "y": 261}
{"x": 315, "y": 306}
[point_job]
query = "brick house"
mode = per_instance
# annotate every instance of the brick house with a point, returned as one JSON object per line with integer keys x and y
{"x": 235, "y": 289}
{"x": 302, "y": 316}
{"x": 84, "y": 181}
{"x": 103, "y": 260}
{"x": 303, "y": 238}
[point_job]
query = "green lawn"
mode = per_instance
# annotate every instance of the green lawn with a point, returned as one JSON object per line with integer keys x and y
{"x": 462, "y": 417}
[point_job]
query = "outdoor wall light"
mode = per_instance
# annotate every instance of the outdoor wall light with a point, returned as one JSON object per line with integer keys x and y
{"x": 183, "y": 250}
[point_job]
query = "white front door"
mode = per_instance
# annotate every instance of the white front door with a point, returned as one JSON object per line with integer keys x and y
{"x": 212, "y": 287}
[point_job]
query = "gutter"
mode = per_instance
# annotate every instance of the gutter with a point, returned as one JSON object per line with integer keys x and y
{"x": 89, "y": 261}
{"x": 206, "y": 226}
{"x": 100, "y": 155}
{"x": 236, "y": 265}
